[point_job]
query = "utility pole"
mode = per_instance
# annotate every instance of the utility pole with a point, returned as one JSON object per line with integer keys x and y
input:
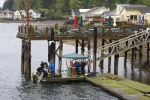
{"x": 27, "y": 12}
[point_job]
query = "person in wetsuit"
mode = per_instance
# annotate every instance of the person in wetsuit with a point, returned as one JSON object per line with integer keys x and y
{"x": 41, "y": 69}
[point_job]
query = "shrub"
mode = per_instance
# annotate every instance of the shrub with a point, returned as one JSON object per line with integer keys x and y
{"x": 88, "y": 26}
{"x": 56, "y": 26}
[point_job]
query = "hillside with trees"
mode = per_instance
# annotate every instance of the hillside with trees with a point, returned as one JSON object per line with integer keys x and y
{"x": 62, "y": 8}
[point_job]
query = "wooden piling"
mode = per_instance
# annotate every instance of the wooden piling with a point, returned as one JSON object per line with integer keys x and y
{"x": 89, "y": 47}
{"x": 77, "y": 46}
{"x": 52, "y": 47}
{"x": 132, "y": 57}
{"x": 26, "y": 58}
{"x": 148, "y": 54}
{"x": 82, "y": 47}
{"x": 22, "y": 56}
{"x": 116, "y": 59}
{"x": 140, "y": 57}
{"x": 125, "y": 56}
{"x": 102, "y": 61}
{"x": 60, "y": 56}
{"x": 109, "y": 58}
{"x": 95, "y": 49}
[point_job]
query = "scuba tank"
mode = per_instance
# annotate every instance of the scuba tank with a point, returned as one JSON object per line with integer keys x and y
{"x": 34, "y": 77}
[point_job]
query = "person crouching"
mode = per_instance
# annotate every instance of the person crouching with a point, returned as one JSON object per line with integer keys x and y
{"x": 42, "y": 69}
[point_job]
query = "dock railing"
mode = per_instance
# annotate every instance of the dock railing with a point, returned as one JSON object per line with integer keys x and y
{"x": 121, "y": 45}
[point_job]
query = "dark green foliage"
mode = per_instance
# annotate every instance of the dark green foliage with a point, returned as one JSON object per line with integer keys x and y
{"x": 58, "y": 8}
{"x": 9, "y": 4}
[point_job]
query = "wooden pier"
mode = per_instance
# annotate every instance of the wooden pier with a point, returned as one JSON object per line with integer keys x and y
{"x": 83, "y": 38}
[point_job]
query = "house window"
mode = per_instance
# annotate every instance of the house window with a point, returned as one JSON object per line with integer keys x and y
{"x": 133, "y": 17}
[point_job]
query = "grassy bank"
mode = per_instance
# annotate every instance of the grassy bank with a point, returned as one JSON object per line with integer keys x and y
{"x": 121, "y": 87}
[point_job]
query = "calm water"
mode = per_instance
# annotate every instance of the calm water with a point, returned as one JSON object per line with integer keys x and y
{"x": 13, "y": 86}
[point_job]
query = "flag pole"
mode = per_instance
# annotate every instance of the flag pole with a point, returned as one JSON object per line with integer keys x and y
{"x": 27, "y": 12}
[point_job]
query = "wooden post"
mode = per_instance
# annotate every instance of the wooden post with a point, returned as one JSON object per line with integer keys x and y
{"x": 77, "y": 46}
{"x": 22, "y": 56}
{"x": 27, "y": 12}
{"x": 116, "y": 59}
{"x": 79, "y": 31}
{"x": 89, "y": 47}
{"x": 140, "y": 57}
{"x": 102, "y": 61}
{"x": 52, "y": 46}
{"x": 95, "y": 49}
{"x": 109, "y": 58}
{"x": 132, "y": 57}
{"x": 46, "y": 30}
{"x": 60, "y": 56}
{"x": 125, "y": 56}
{"x": 148, "y": 54}
{"x": 48, "y": 51}
{"x": 27, "y": 59}
{"x": 82, "y": 47}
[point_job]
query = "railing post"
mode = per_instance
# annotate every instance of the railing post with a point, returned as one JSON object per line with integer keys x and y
{"x": 79, "y": 30}
{"x": 63, "y": 30}
{"x": 46, "y": 30}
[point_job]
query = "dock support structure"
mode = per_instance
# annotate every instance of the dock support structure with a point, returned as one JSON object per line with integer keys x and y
{"x": 95, "y": 49}
{"x": 77, "y": 46}
{"x": 82, "y": 47}
{"x": 89, "y": 47}
{"x": 26, "y": 58}
{"x": 125, "y": 56}
{"x": 140, "y": 57}
{"x": 116, "y": 59}
{"x": 148, "y": 54}
{"x": 102, "y": 61}
{"x": 51, "y": 47}
{"x": 109, "y": 59}
{"x": 132, "y": 57}
{"x": 60, "y": 56}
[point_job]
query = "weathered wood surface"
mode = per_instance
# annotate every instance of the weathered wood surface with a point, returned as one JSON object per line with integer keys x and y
{"x": 63, "y": 79}
{"x": 122, "y": 88}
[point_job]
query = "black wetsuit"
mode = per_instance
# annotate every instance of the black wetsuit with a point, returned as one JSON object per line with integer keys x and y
{"x": 40, "y": 69}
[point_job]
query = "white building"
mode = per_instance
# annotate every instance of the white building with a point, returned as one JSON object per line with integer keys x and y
{"x": 34, "y": 13}
{"x": 19, "y": 14}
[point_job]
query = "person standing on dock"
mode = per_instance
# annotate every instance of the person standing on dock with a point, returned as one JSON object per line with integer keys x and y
{"x": 76, "y": 64}
{"x": 82, "y": 67}
{"x": 52, "y": 69}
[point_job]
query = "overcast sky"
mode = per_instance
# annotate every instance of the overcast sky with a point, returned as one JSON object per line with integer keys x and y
{"x": 1, "y": 3}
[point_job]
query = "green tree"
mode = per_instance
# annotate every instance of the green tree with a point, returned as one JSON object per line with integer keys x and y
{"x": 74, "y": 4}
{"x": 8, "y": 5}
